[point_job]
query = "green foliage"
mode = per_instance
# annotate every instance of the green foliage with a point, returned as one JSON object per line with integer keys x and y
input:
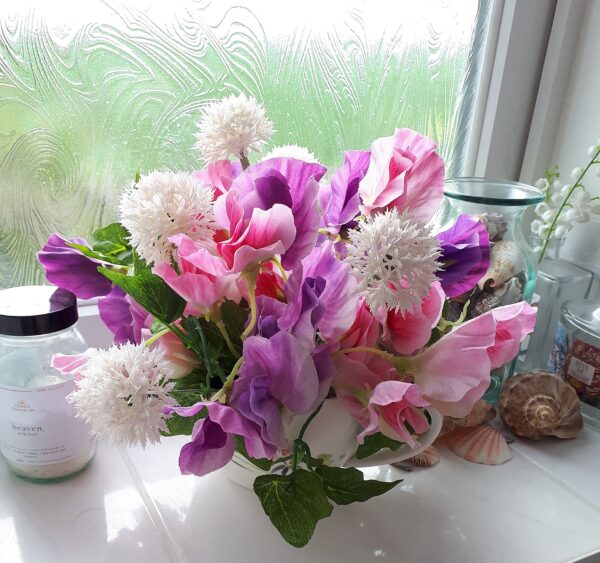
{"x": 188, "y": 391}
{"x": 261, "y": 463}
{"x": 112, "y": 241}
{"x": 294, "y": 503}
{"x": 151, "y": 292}
{"x": 375, "y": 442}
{"x": 348, "y": 485}
{"x": 234, "y": 318}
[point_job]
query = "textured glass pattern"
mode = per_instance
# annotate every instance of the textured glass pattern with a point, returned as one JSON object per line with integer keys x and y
{"x": 91, "y": 91}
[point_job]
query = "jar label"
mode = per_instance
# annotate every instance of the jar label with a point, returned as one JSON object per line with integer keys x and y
{"x": 38, "y": 426}
{"x": 582, "y": 370}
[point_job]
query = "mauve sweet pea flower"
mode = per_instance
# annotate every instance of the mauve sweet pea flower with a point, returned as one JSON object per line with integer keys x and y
{"x": 391, "y": 405}
{"x": 278, "y": 373}
{"x": 219, "y": 175}
{"x": 339, "y": 200}
{"x": 321, "y": 295}
{"x": 213, "y": 438}
{"x": 412, "y": 330}
{"x": 465, "y": 255}
{"x": 275, "y": 183}
{"x": 123, "y": 316}
{"x": 69, "y": 269}
{"x": 203, "y": 280}
{"x": 405, "y": 172}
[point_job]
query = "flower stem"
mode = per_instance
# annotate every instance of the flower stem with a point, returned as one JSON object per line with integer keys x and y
{"x": 223, "y": 330}
{"x": 575, "y": 185}
{"x": 244, "y": 161}
{"x": 156, "y": 336}
{"x": 281, "y": 269}
{"x": 298, "y": 442}
{"x": 253, "y": 313}
{"x": 222, "y": 393}
{"x": 382, "y": 353}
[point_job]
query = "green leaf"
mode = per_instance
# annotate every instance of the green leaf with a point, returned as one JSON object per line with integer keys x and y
{"x": 348, "y": 485}
{"x": 182, "y": 425}
{"x": 261, "y": 463}
{"x": 111, "y": 240}
{"x": 234, "y": 318}
{"x": 151, "y": 292}
{"x": 87, "y": 251}
{"x": 375, "y": 442}
{"x": 294, "y": 503}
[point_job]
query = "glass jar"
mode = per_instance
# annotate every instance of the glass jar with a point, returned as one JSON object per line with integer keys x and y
{"x": 40, "y": 437}
{"x": 576, "y": 354}
{"x": 511, "y": 277}
{"x": 557, "y": 281}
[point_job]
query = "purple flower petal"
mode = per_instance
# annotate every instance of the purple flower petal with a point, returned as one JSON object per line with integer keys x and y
{"x": 70, "y": 269}
{"x": 465, "y": 255}
{"x": 340, "y": 201}
{"x": 123, "y": 316}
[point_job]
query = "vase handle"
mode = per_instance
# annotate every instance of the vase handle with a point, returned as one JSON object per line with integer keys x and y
{"x": 404, "y": 452}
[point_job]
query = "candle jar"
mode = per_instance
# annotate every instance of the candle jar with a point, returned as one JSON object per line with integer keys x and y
{"x": 40, "y": 437}
{"x": 576, "y": 354}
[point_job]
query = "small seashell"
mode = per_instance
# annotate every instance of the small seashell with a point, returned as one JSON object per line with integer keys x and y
{"x": 495, "y": 224}
{"x": 481, "y": 412}
{"x": 447, "y": 426}
{"x": 506, "y": 294}
{"x": 537, "y": 403}
{"x": 506, "y": 261}
{"x": 481, "y": 444}
{"x": 427, "y": 458}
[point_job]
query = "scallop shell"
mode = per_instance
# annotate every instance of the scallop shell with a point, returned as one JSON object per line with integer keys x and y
{"x": 537, "y": 403}
{"x": 427, "y": 458}
{"x": 482, "y": 444}
{"x": 481, "y": 412}
{"x": 506, "y": 261}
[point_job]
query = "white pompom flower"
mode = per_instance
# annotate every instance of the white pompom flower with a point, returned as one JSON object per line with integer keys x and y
{"x": 161, "y": 205}
{"x": 291, "y": 151}
{"x": 122, "y": 393}
{"x": 234, "y": 125}
{"x": 394, "y": 258}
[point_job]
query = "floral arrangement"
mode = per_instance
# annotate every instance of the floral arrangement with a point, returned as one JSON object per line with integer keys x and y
{"x": 565, "y": 204}
{"x": 243, "y": 296}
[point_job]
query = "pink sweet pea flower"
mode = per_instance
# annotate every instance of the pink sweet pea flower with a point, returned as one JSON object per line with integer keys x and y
{"x": 203, "y": 279}
{"x": 181, "y": 360}
{"x": 356, "y": 376}
{"x": 219, "y": 175}
{"x": 364, "y": 332}
{"x": 410, "y": 331}
{"x": 257, "y": 237}
{"x": 454, "y": 373}
{"x": 513, "y": 324}
{"x": 71, "y": 364}
{"x": 391, "y": 405}
{"x": 405, "y": 172}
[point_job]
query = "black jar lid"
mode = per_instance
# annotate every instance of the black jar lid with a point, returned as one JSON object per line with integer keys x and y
{"x": 34, "y": 310}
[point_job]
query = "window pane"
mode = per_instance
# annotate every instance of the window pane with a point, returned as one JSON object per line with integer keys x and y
{"x": 90, "y": 92}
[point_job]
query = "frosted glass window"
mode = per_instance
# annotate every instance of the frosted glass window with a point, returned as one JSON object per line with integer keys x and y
{"x": 91, "y": 91}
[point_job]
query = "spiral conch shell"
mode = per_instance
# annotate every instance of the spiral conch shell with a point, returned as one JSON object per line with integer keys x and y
{"x": 535, "y": 404}
{"x": 506, "y": 261}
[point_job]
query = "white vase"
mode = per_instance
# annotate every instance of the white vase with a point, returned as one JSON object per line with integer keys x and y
{"x": 332, "y": 437}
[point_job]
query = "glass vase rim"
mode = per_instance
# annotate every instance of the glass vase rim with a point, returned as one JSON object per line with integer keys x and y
{"x": 522, "y": 194}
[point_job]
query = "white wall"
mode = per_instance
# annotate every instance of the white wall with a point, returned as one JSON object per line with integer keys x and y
{"x": 579, "y": 127}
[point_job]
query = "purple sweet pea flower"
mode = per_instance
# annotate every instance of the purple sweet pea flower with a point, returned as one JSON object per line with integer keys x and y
{"x": 340, "y": 201}
{"x": 213, "y": 438}
{"x": 279, "y": 181}
{"x": 278, "y": 373}
{"x": 123, "y": 316}
{"x": 69, "y": 269}
{"x": 465, "y": 255}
